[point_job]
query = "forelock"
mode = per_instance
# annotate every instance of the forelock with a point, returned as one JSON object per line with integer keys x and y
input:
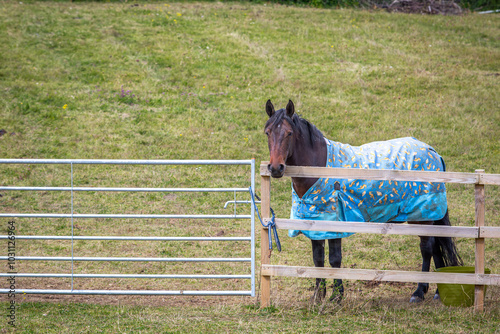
{"x": 280, "y": 116}
{"x": 297, "y": 123}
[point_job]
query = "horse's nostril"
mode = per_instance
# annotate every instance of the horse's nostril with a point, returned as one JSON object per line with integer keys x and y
{"x": 276, "y": 171}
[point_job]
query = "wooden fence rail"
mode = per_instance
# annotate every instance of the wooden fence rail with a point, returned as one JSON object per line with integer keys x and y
{"x": 479, "y": 232}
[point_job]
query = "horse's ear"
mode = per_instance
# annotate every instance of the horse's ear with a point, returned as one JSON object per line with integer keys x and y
{"x": 269, "y": 108}
{"x": 290, "y": 109}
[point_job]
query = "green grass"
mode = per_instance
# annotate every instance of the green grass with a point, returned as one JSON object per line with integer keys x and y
{"x": 189, "y": 80}
{"x": 372, "y": 315}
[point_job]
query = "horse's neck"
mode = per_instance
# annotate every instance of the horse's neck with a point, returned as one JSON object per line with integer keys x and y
{"x": 306, "y": 155}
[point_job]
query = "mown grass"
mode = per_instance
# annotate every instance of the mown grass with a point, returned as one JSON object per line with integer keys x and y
{"x": 369, "y": 316}
{"x": 189, "y": 81}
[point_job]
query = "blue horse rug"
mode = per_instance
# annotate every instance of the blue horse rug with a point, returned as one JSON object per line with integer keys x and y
{"x": 373, "y": 200}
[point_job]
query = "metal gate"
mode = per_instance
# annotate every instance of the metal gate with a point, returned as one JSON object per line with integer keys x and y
{"x": 12, "y": 256}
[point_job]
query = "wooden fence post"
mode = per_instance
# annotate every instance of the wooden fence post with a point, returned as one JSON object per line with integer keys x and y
{"x": 265, "y": 253}
{"x": 480, "y": 213}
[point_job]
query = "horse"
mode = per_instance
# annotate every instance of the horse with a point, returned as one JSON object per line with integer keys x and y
{"x": 294, "y": 141}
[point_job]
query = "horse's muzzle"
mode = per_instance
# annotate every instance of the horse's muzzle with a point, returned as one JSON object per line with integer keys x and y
{"x": 276, "y": 172}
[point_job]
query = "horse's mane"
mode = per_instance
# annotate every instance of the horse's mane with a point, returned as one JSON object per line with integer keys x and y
{"x": 298, "y": 123}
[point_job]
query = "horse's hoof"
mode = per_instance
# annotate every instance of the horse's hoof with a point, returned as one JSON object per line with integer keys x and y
{"x": 437, "y": 297}
{"x": 336, "y": 298}
{"x": 416, "y": 299}
{"x": 316, "y": 299}
{"x": 337, "y": 295}
{"x": 318, "y": 296}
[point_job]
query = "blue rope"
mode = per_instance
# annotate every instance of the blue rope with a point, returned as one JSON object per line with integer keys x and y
{"x": 271, "y": 226}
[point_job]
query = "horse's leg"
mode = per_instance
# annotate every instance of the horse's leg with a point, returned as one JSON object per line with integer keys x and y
{"x": 426, "y": 247}
{"x": 444, "y": 251}
{"x": 318, "y": 248}
{"x": 335, "y": 257}
{"x": 438, "y": 258}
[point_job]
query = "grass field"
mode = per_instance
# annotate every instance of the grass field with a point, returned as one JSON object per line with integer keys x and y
{"x": 189, "y": 80}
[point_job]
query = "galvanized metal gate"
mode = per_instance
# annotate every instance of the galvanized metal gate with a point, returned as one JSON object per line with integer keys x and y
{"x": 14, "y": 256}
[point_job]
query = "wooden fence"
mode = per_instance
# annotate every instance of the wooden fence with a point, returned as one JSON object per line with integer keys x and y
{"x": 479, "y": 232}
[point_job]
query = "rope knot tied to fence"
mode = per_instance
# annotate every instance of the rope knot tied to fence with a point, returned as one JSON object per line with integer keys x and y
{"x": 271, "y": 225}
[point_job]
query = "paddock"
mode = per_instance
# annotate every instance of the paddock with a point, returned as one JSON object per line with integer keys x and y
{"x": 480, "y": 232}
{"x": 67, "y": 270}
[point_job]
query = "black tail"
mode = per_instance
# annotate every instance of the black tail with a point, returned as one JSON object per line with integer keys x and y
{"x": 446, "y": 246}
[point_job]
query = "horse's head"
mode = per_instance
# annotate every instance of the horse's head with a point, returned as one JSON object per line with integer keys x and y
{"x": 280, "y": 137}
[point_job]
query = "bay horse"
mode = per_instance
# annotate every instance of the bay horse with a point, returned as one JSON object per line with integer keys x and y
{"x": 294, "y": 141}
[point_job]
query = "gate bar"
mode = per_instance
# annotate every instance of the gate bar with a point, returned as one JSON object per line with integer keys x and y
{"x": 121, "y": 238}
{"x": 127, "y": 276}
{"x": 135, "y": 259}
{"x": 124, "y": 189}
{"x": 252, "y": 228}
{"x": 123, "y": 162}
{"x": 129, "y": 292}
{"x": 92, "y": 215}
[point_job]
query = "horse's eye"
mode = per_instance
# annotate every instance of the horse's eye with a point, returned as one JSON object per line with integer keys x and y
{"x": 289, "y": 134}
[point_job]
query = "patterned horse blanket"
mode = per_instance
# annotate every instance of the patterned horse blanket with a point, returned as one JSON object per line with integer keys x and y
{"x": 373, "y": 200}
